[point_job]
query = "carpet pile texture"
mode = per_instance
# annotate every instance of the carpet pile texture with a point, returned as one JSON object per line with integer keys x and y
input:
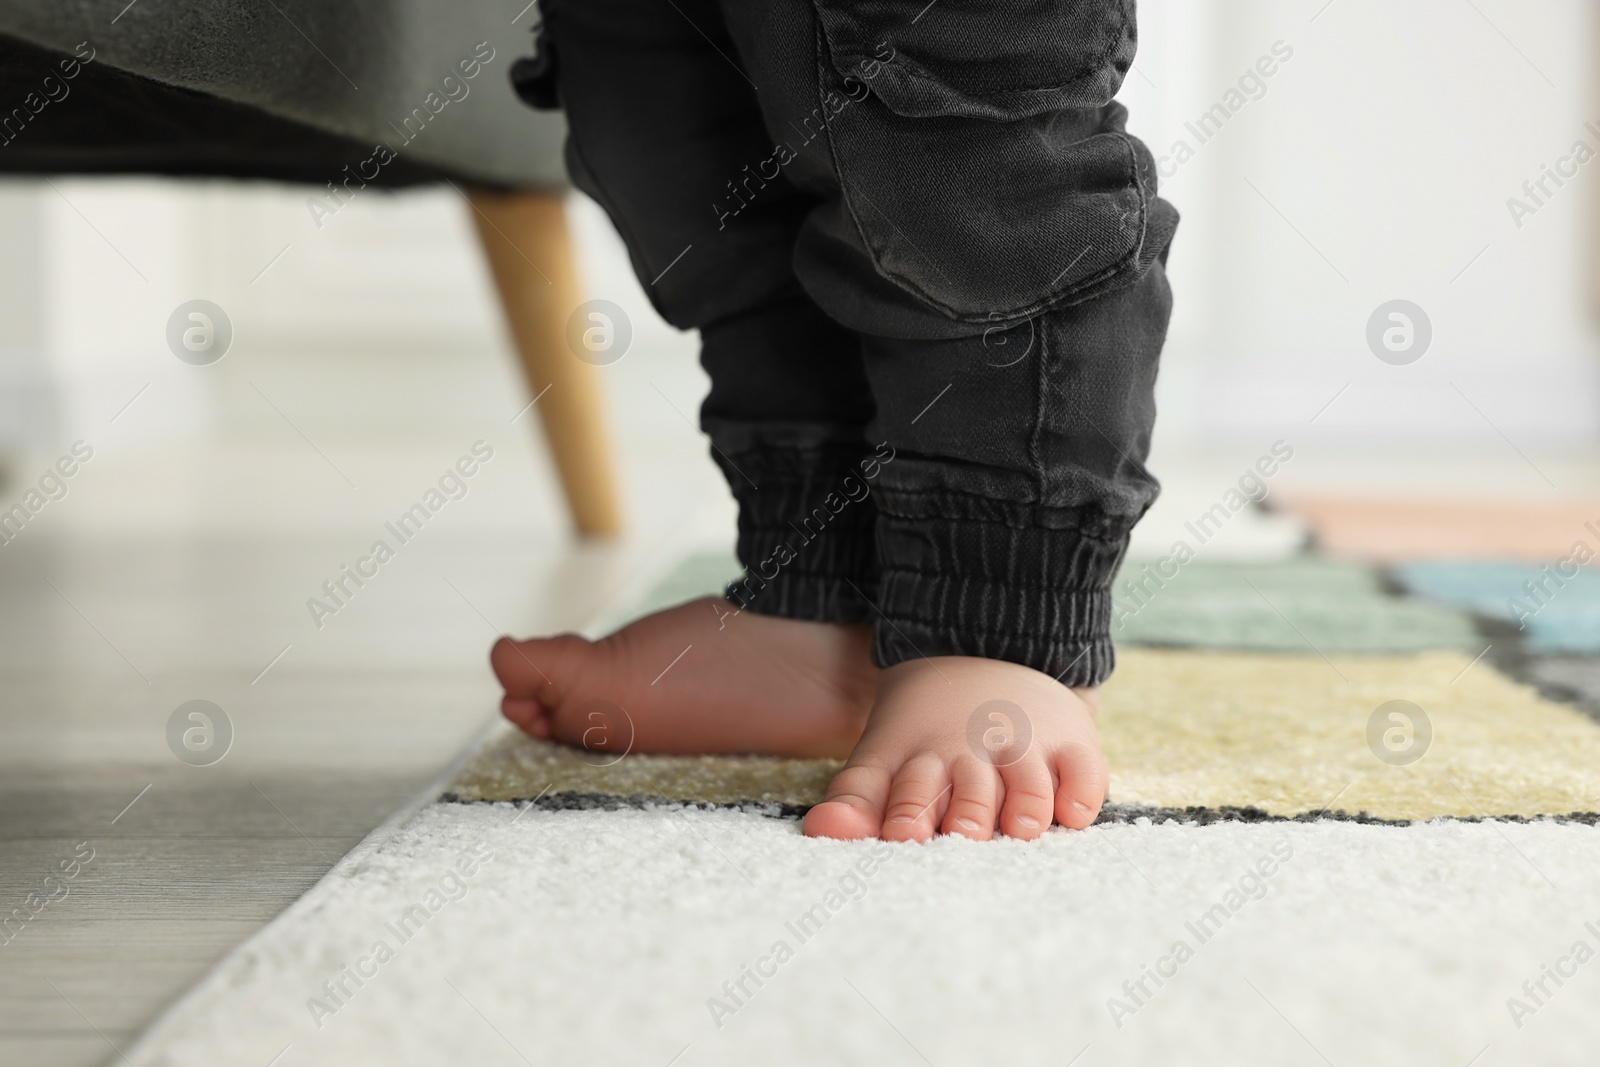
{"x": 1351, "y": 821}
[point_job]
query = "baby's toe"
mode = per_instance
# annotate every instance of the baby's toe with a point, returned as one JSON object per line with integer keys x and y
{"x": 974, "y": 792}
{"x": 916, "y": 800}
{"x": 540, "y": 668}
{"x": 1082, "y": 789}
{"x": 853, "y": 807}
{"x": 1030, "y": 797}
{"x": 527, "y": 714}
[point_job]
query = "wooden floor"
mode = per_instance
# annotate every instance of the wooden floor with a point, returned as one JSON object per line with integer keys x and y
{"x": 194, "y": 867}
{"x": 105, "y": 631}
{"x": 188, "y": 861}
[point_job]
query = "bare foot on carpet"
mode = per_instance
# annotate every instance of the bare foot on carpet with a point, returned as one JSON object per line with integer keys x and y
{"x": 953, "y": 744}
{"x": 695, "y": 678}
{"x": 968, "y": 746}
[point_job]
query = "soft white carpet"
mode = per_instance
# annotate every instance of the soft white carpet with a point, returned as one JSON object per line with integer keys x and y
{"x": 523, "y": 935}
{"x": 603, "y": 937}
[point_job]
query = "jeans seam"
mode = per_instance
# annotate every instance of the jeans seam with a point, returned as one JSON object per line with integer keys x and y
{"x": 954, "y": 578}
{"x": 1096, "y": 515}
{"x": 1079, "y": 531}
{"x": 822, "y": 59}
{"x": 983, "y": 631}
{"x": 1036, "y": 437}
{"x": 945, "y": 575}
{"x": 1146, "y": 195}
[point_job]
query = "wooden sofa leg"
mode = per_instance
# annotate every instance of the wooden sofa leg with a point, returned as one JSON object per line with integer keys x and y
{"x": 525, "y": 239}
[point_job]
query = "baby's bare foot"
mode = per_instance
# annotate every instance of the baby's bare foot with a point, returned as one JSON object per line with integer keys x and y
{"x": 962, "y": 745}
{"x": 697, "y": 678}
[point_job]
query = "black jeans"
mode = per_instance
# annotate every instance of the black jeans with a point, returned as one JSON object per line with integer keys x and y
{"x": 925, "y": 260}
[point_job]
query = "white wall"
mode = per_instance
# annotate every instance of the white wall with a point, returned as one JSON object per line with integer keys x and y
{"x": 343, "y": 318}
{"x": 1391, "y": 141}
{"x": 29, "y": 399}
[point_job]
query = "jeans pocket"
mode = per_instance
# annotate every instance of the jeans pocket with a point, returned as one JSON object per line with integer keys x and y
{"x": 979, "y": 151}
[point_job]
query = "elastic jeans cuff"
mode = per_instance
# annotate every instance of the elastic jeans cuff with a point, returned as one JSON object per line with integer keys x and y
{"x": 805, "y": 536}
{"x": 1009, "y": 582}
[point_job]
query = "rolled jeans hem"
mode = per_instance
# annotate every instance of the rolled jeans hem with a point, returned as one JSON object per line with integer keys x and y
{"x": 1038, "y": 595}
{"x": 1072, "y": 661}
{"x": 806, "y": 544}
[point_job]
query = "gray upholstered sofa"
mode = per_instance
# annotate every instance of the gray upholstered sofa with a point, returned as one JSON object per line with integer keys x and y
{"x": 352, "y": 69}
{"x": 385, "y": 92}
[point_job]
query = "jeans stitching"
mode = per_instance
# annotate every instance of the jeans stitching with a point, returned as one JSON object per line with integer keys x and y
{"x": 1020, "y": 638}
{"x": 948, "y": 578}
{"x": 1035, "y": 438}
{"x": 1146, "y": 195}
{"x": 1093, "y": 640}
{"x": 1093, "y": 515}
